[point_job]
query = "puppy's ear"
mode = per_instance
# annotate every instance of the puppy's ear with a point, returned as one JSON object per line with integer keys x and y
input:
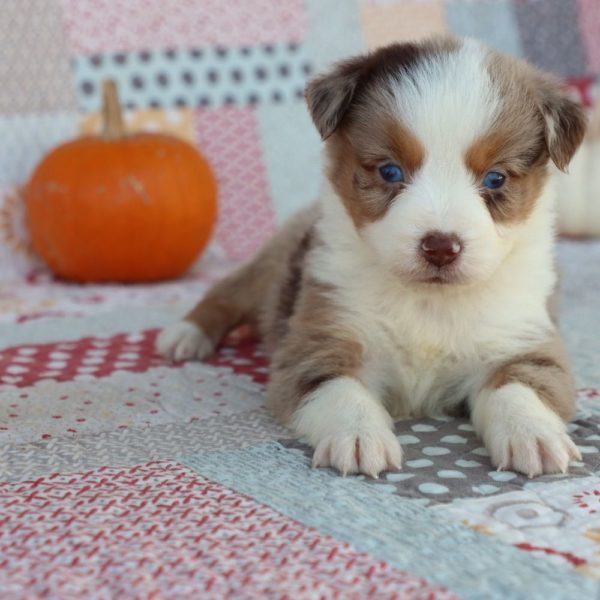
{"x": 565, "y": 122}
{"x": 329, "y": 96}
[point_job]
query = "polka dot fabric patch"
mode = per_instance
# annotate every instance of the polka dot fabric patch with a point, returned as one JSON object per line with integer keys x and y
{"x": 91, "y": 358}
{"x": 83, "y": 359}
{"x": 170, "y": 77}
{"x": 445, "y": 460}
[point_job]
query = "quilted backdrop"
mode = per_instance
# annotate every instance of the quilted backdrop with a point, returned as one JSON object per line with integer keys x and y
{"x": 229, "y": 76}
{"x": 124, "y": 476}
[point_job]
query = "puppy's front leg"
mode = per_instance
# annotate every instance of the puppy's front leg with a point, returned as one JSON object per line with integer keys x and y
{"x": 521, "y": 413}
{"x": 314, "y": 388}
{"x": 349, "y": 428}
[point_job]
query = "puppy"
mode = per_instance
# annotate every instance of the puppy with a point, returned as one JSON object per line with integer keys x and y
{"x": 423, "y": 280}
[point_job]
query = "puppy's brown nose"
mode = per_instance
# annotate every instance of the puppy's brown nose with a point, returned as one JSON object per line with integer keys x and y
{"x": 441, "y": 249}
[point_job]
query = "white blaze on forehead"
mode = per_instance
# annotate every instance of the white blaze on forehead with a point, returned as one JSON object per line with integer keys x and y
{"x": 448, "y": 100}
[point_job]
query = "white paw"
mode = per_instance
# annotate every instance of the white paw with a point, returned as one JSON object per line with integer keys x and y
{"x": 182, "y": 341}
{"x": 522, "y": 434}
{"x": 349, "y": 429}
{"x": 532, "y": 450}
{"x": 368, "y": 452}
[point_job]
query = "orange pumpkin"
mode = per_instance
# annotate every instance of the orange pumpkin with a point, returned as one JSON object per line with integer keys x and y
{"x": 120, "y": 207}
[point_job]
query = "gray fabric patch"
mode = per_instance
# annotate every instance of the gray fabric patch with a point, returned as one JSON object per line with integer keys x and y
{"x": 133, "y": 446}
{"x": 551, "y": 37}
{"x": 579, "y": 264}
{"x": 444, "y": 459}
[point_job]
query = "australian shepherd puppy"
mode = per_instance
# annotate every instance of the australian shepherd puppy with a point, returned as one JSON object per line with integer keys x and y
{"x": 424, "y": 280}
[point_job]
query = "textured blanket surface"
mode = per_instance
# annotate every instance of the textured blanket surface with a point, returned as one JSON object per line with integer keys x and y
{"x": 124, "y": 476}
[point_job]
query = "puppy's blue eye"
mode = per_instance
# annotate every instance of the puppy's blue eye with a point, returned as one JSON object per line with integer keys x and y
{"x": 391, "y": 173}
{"x": 494, "y": 180}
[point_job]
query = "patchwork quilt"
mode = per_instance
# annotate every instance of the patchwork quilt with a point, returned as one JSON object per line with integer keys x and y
{"x": 124, "y": 476}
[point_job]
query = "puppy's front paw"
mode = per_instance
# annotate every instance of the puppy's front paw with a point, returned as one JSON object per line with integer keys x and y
{"x": 532, "y": 450}
{"x": 522, "y": 434}
{"x": 368, "y": 452}
{"x": 348, "y": 428}
{"x": 182, "y": 341}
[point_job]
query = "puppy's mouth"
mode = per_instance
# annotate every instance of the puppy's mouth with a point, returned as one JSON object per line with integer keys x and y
{"x": 437, "y": 276}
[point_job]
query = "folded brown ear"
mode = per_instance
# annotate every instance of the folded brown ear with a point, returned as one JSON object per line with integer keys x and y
{"x": 329, "y": 96}
{"x": 565, "y": 123}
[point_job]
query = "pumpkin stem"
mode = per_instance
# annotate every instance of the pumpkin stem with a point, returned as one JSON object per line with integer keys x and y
{"x": 113, "y": 127}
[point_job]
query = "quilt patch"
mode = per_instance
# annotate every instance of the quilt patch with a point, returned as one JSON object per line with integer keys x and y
{"x": 158, "y": 530}
{"x": 444, "y": 459}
